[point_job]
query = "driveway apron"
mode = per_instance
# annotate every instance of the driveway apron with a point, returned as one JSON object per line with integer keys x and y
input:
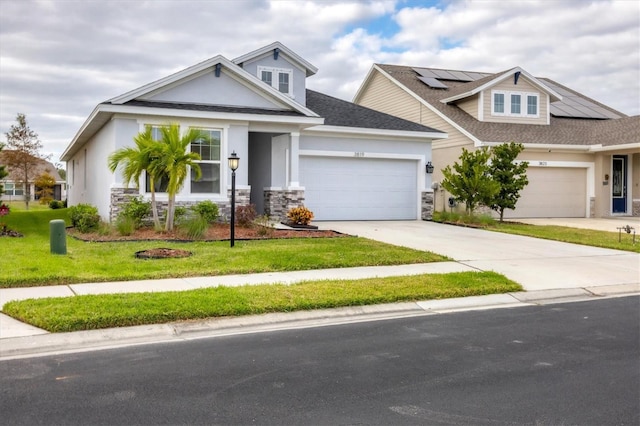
{"x": 535, "y": 263}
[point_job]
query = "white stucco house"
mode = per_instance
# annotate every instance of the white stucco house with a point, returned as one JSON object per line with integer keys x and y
{"x": 296, "y": 146}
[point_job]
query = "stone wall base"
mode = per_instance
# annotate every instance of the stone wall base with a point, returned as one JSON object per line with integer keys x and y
{"x": 592, "y": 207}
{"x": 277, "y": 202}
{"x": 635, "y": 208}
{"x": 427, "y": 205}
{"x": 120, "y": 196}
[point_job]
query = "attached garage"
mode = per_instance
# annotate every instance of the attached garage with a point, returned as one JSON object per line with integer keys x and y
{"x": 348, "y": 188}
{"x": 553, "y": 192}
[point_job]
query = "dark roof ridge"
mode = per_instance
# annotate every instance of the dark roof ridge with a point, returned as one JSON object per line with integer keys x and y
{"x": 342, "y": 113}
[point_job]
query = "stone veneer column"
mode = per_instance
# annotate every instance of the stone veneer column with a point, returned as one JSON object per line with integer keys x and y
{"x": 119, "y": 197}
{"x": 243, "y": 197}
{"x": 427, "y": 205}
{"x": 592, "y": 207}
{"x": 278, "y": 201}
{"x": 635, "y": 208}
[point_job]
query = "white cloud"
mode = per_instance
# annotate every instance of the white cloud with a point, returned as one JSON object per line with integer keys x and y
{"x": 61, "y": 58}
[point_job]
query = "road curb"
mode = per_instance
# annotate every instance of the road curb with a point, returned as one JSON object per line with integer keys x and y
{"x": 111, "y": 338}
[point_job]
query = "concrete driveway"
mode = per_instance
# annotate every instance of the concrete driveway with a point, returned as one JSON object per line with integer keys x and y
{"x": 535, "y": 263}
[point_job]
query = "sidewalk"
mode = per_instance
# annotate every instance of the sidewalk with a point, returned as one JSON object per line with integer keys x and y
{"x": 549, "y": 271}
{"x": 11, "y": 328}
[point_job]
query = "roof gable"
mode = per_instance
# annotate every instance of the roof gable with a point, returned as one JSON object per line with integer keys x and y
{"x": 477, "y": 86}
{"x": 277, "y": 48}
{"x": 216, "y": 66}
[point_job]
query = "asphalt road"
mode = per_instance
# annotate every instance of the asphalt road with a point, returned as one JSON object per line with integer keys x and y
{"x": 572, "y": 363}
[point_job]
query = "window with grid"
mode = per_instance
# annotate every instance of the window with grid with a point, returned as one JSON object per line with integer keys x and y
{"x": 511, "y": 104}
{"x": 11, "y": 188}
{"x": 278, "y": 78}
{"x": 209, "y": 150}
{"x": 160, "y": 184}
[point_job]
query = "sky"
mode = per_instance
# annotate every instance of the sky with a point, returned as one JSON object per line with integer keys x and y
{"x": 60, "y": 58}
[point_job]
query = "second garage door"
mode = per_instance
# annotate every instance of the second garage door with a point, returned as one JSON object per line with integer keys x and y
{"x": 339, "y": 188}
{"x": 552, "y": 192}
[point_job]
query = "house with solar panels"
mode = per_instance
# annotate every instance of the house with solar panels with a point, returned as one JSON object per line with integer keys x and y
{"x": 584, "y": 157}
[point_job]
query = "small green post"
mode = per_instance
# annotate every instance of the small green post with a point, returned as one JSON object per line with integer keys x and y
{"x": 58, "y": 237}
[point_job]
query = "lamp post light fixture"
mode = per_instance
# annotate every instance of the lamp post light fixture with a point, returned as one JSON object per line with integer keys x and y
{"x": 234, "y": 162}
{"x": 429, "y": 167}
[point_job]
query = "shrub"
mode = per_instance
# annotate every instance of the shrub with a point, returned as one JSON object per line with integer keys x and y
{"x": 245, "y": 215}
{"x": 55, "y": 204}
{"x": 265, "y": 228}
{"x": 195, "y": 227}
{"x": 125, "y": 225}
{"x": 137, "y": 210}
{"x": 179, "y": 214}
{"x": 84, "y": 217}
{"x": 207, "y": 210}
{"x": 300, "y": 215}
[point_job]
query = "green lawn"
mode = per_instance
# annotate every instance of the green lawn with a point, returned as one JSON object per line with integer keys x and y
{"x": 33, "y": 265}
{"x": 587, "y": 237}
{"x": 119, "y": 310}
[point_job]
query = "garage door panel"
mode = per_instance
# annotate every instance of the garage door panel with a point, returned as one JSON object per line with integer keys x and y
{"x": 552, "y": 192}
{"x": 359, "y": 189}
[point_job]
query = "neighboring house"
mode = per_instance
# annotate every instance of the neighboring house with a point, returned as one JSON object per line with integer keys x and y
{"x": 296, "y": 146}
{"x": 13, "y": 183}
{"x": 584, "y": 157}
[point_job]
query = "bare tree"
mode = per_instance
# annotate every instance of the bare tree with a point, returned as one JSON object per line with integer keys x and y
{"x": 22, "y": 154}
{"x": 3, "y": 172}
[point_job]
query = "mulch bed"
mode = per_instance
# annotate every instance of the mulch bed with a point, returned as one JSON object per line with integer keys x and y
{"x": 162, "y": 253}
{"x": 6, "y": 232}
{"x": 216, "y": 232}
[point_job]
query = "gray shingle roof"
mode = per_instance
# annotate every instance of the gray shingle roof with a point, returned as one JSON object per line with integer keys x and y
{"x": 337, "y": 112}
{"x": 563, "y": 131}
{"x": 213, "y": 108}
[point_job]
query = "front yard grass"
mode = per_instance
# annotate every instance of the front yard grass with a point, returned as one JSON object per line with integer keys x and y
{"x": 119, "y": 310}
{"x": 27, "y": 261}
{"x": 587, "y": 237}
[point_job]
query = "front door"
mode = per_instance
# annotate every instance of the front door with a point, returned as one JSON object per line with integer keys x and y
{"x": 619, "y": 188}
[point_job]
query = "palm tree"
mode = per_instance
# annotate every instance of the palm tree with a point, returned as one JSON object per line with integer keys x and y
{"x": 175, "y": 160}
{"x": 143, "y": 158}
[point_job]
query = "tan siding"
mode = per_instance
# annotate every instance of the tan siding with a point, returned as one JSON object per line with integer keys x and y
{"x": 382, "y": 95}
{"x": 523, "y": 86}
{"x": 470, "y": 106}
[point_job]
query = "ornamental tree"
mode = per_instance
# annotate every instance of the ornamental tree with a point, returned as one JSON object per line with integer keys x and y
{"x": 510, "y": 175}
{"x": 3, "y": 172}
{"x": 44, "y": 187}
{"x": 23, "y": 154}
{"x": 470, "y": 181}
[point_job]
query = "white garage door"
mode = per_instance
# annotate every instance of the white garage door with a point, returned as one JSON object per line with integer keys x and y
{"x": 359, "y": 188}
{"x": 552, "y": 192}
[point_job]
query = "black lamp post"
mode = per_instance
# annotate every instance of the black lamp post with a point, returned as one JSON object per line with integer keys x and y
{"x": 234, "y": 162}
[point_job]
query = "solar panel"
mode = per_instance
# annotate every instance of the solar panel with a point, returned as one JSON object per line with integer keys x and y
{"x": 432, "y": 82}
{"x": 443, "y": 74}
{"x": 424, "y": 72}
{"x": 461, "y": 76}
{"x": 475, "y": 75}
{"x": 573, "y": 105}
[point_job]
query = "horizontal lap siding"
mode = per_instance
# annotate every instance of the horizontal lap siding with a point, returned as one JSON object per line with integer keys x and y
{"x": 384, "y": 96}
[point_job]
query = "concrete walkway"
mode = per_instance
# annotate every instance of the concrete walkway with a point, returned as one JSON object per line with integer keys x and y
{"x": 546, "y": 269}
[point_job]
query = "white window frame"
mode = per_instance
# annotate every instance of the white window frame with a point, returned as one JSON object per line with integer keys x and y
{"x": 14, "y": 187}
{"x": 218, "y": 162}
{"x": 275, "y": 78}
{"x": 524, "y": 104}
{"x": 157, "y": 136}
